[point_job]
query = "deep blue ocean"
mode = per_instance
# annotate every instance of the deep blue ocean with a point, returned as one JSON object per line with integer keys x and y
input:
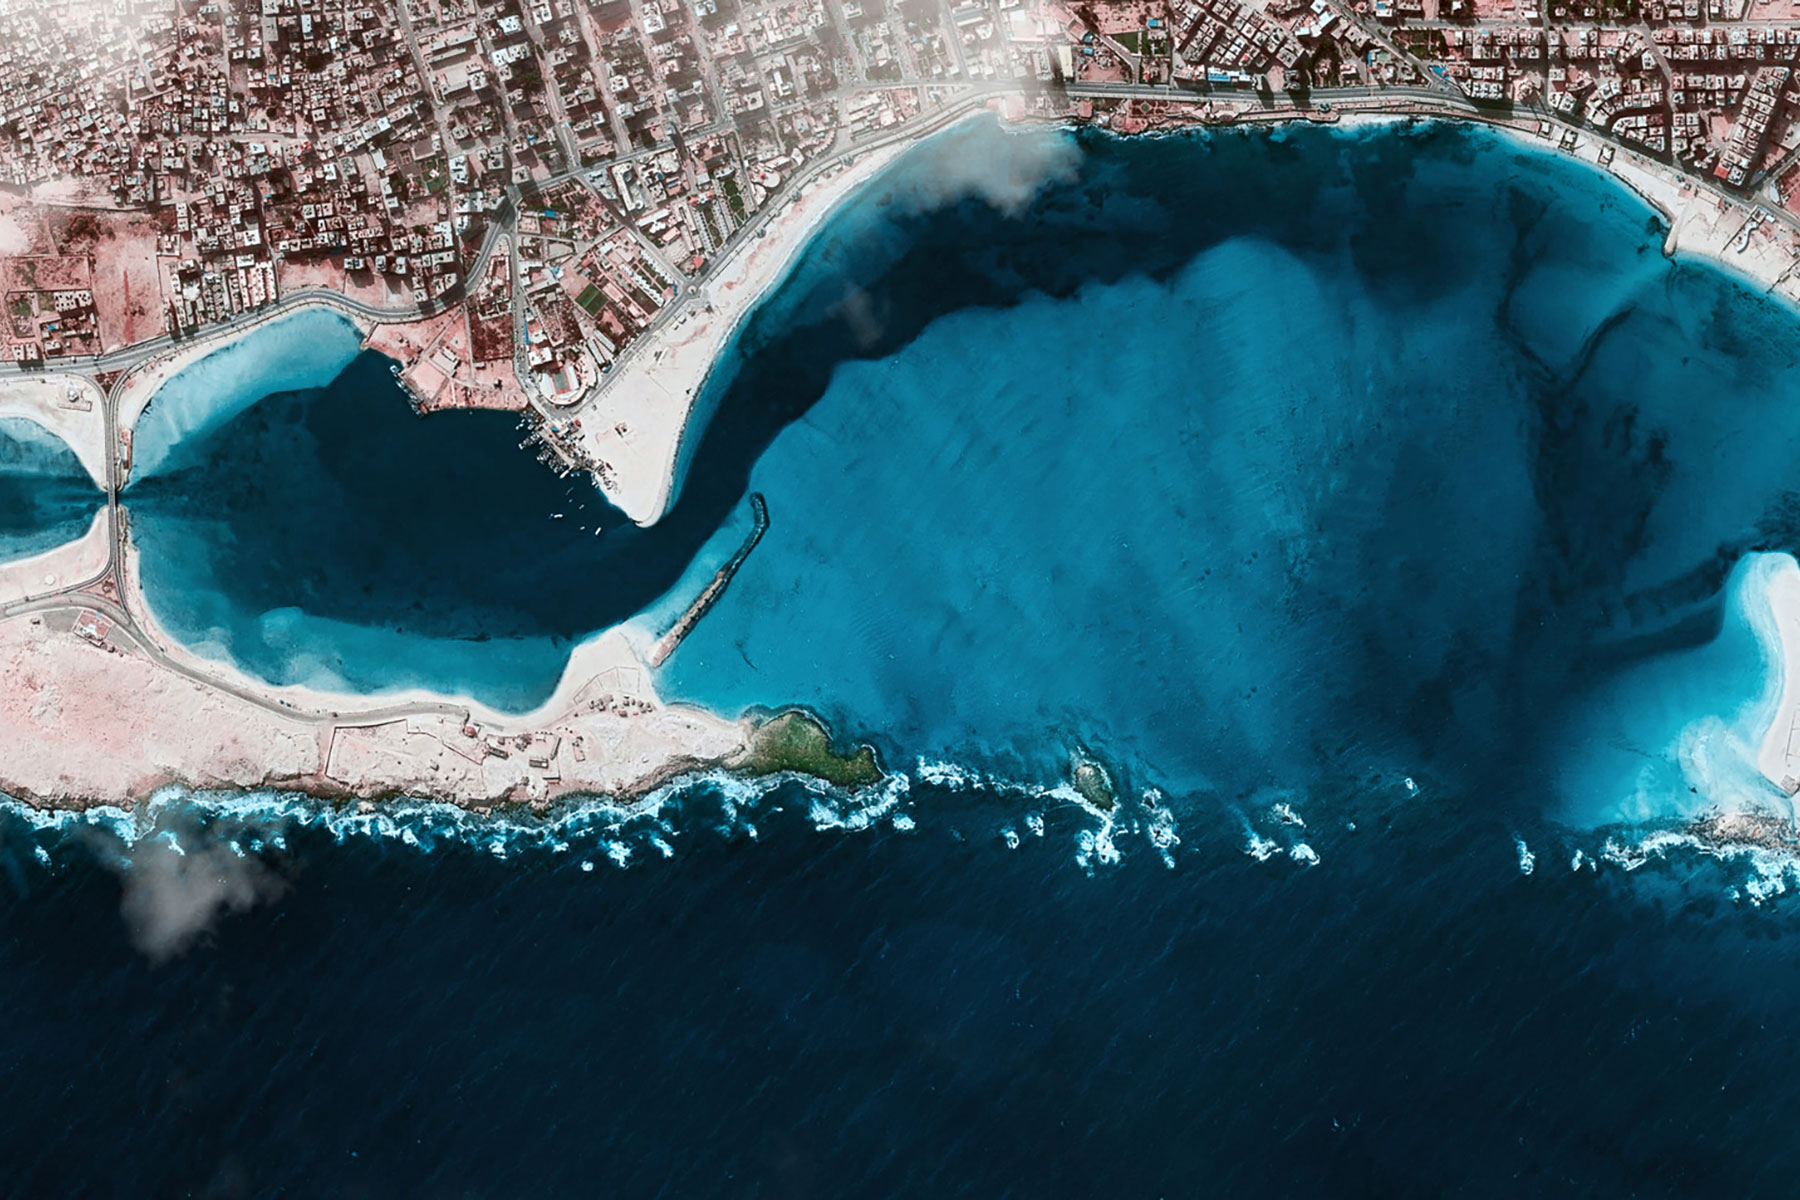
{"x": 1383, "y": 509}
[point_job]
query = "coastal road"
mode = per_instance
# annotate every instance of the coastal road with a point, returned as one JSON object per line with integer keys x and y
{"x": 1422, "y": 102}
{"x": 964, "y": 102}
{"x": 126, "y": 628}
{"x": 85, "y": 594}
{"x": 140, "y": 352}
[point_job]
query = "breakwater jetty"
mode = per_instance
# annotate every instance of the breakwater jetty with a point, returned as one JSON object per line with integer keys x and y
{"x": 715, "y": 588}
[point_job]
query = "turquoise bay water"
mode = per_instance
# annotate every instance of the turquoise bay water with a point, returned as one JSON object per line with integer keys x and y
{"x": 297, "y": 519}
{"x": 1458, "y": 469}
{"x": 301, "y": 352}
{"x": 1250, "y": 461}
{"x": 46, "y": 496}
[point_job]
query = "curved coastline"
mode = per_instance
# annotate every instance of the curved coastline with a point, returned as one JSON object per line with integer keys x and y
{"x": 303, "y": 349}
{"x": 1631, "y": 202}
{"x": 685, "y": 442}
{"x": 47, "y": 496}
{"x": 82, "y": 558}
{"x": 1778, "y": 754}
{"x": 659, "y": 389}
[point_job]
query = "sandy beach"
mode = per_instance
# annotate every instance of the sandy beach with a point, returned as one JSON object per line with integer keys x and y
{"x": 1734, "y": 235}
{"x": 69, "y": 406}
{"x": 103, "y": 721}
{"x": 58, "y": 567}
{"x": 106, "y": 717}
{"x": 1779, "y": 755}
{"x": 113, "y": 713}
{"x": 143, "y": 381}
{"x": 636, "y": 423}
{"x": 608, "y": 657}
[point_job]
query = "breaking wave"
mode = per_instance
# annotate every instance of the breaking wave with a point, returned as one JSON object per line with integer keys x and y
{"x": 603, "y": 832}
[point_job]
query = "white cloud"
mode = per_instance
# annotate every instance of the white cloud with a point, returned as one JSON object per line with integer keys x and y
{"x": 1004, "y": 168}
{"x": 177, "y": 886}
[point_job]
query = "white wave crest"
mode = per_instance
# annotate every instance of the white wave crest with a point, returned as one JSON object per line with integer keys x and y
{"x": 1259, "y": 847}
{"x": 1096, "y": 848}
{"x": 832, "y": 809}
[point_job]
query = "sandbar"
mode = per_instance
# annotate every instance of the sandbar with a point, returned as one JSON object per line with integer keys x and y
{"x": 59, "y": 567}
{"x": 106, "y": 713}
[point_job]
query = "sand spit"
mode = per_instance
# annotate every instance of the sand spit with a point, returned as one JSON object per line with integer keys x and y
{"x": 634, "y": 426}
{"x": 1779, "y": 755}
{"x": 97, "y": 707}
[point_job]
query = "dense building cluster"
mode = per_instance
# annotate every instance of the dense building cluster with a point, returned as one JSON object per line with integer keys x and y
{"x": 382, "y": 149}
{"x": 536, "y": 181}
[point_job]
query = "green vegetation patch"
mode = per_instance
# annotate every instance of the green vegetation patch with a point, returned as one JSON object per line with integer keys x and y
{"x": 591, "y": 299}
{"x": 1093, "y": 784}
{"x": 734, "y": 200}
{"x": 796, "y": 741}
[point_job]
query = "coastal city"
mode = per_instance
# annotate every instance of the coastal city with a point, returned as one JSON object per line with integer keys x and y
{"x": 517, "y": 192}
{"x": 564, "y": 209}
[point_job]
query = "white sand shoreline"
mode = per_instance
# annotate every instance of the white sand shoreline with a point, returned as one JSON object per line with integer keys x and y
{"x": 1703, "y": 225}
{"x": 99, "y": 721}
{"x": 1778, "y": 756}
{"x": 68, "y": 406}
{"x": 138, "y": 386}
{"x": 608, "y": 650}
{"x": 59, "y": 566}
{"x": 654, "y": 392}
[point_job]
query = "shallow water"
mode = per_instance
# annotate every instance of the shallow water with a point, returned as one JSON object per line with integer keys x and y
{"x": 1372, "y": 493}
{"x": 46, "y": 496}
